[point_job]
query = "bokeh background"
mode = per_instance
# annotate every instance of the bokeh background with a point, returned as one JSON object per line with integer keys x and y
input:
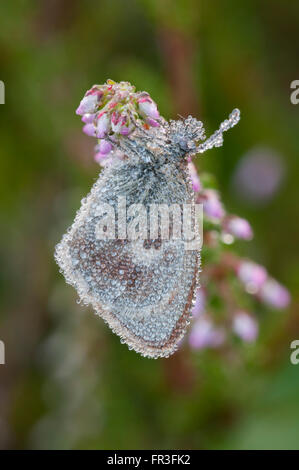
{"x": 68, "y": 382}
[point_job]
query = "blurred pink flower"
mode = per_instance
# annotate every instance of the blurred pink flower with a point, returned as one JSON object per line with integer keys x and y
{"x": 200, "y": 301}
{"x": 238, "y": 227}
{"x": 204, "y": 334}
{"x": 259, "y": 175}
{"x": 275, "y": 295}
{"x": 212, "y": 205}
{"x": 245, "y": 326}
{"x": 252, "y": 275}
{"x": 194, "y": 176}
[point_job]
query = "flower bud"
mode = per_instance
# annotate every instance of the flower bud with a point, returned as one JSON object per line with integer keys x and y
{"x": 275, "y": 295}
{"x": 239, "y": 228}
{"x": 245, "y": 326}
{"x": 194, "y": 177}
{"x": 102, "y": 126}
{"x": 88, "y": 118}
{"x": 204, "y": 334}
{"x": 212, "y": 205}
{"x": 252, "y": 275}
{"x": 87, "y": 105}
{"x": 90, "y": 130}
{"x": 104, "y": 147}
{"x": 148, "y": 107}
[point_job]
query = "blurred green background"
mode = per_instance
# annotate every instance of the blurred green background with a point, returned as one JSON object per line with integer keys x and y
{"x": 68, "y": 382}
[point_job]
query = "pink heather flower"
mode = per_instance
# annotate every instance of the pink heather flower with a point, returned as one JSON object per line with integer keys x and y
{"x": 212, "y": 205}
{"x": 194, "y": 177}
{"x": 239, "y": 228}
{"x": 275, "y": 295}
{"x": 259, "y": 175}
{"x": 103, "y": 125}
{"x": 116, "y": 121}
{"x": 87, "y": 105}
{"x": 120, "y": 123}
{"x": 126, "y": 130}
{"x": 95, "y": 91}
{"x": 90, "y": 130}
{"x": 88, "y": 118}
{"x": 252, "y": 275}
{"x": 111, "y": 109}
{"x": 200, "y": 301}
{"x": 148, "y": 107}
{"x": 245, "y": 326}
{"x": 204, "y": 334}
{"x": 151, "y": 122}
{"x": 104, "y": 147}
{"x": 103, "y": 152}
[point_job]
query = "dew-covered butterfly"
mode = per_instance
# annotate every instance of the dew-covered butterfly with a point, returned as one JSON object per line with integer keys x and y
{"x": 129, "y": 252}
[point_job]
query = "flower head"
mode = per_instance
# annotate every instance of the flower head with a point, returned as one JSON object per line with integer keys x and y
{"x": 245, "y": 326}
{"x": 204, "y": 334}
{"x": 238, "y": 227}
{"x": 212, "y": 205}
{"x": 114, "y": 110}
{"x": 87, "y": 105}
{"x": 252, "y": 275}
{"x": 274, "y": 294}
{"x": 89, "y": 129}
{"x": 147, "y": 107}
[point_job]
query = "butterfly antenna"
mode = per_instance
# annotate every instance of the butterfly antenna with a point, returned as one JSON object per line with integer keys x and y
{"x": 216, "y": 139}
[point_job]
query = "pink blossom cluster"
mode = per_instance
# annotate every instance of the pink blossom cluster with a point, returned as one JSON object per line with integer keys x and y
{"x": 253, "y": 278}
{"x": 257, "y": 281}
{"x": 214, "y": 211}
{"x": 112, "y": 111}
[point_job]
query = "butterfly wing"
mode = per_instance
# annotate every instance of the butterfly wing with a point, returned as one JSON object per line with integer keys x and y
{"x": 144, "y": 291}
